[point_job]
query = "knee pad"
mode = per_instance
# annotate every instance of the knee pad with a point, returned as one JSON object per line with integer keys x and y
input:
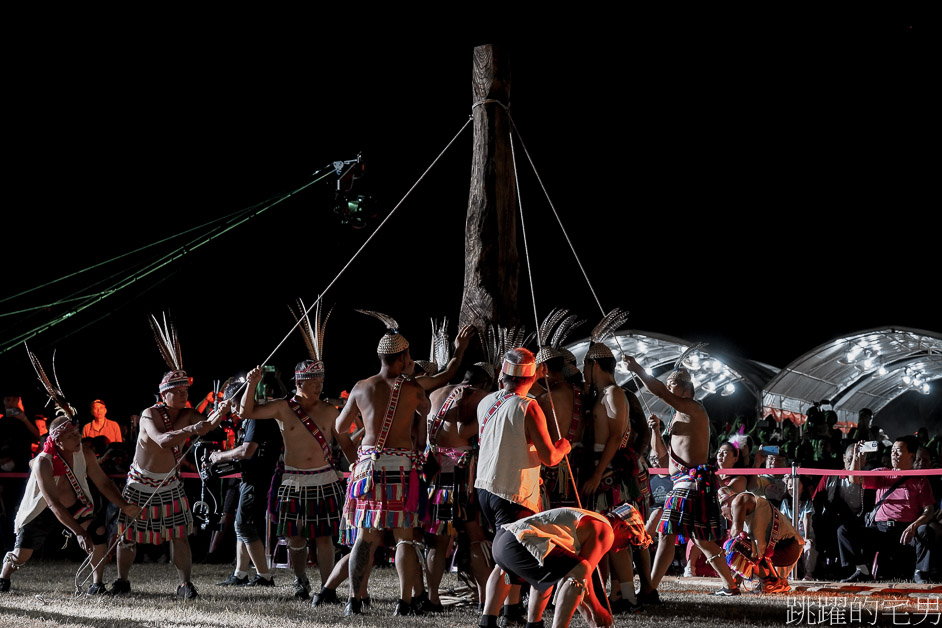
{"x": 10, "y": 559}
{"x": 98, "y": 538}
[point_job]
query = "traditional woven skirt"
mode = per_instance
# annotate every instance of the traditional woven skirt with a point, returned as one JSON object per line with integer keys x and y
{"x": 167, "y": 515}
{"x": 393, "y": 499}
{"x": 451, "y": 496}
{"x": 691, "y": 510}
{"x": 309, "y": 504}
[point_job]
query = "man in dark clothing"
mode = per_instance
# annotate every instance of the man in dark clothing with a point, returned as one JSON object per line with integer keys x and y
{"x": 258, "y": 453}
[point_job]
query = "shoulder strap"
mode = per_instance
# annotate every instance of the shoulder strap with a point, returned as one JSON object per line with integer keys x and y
{"x": 168, "y": 426}
{"x": 440, "y": 417}
{"x": 501, "y": 398}
{"x": 79, "y": 492}
{"x": 311, "y": 426}
{"x": 896, "y": 485}
{"x": 390, "y": 411}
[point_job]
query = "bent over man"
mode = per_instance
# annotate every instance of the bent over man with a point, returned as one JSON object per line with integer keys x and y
{"x": 51, "y": 503}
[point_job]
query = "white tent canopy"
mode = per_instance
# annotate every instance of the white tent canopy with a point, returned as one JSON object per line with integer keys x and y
{"x": 863, "y": 370}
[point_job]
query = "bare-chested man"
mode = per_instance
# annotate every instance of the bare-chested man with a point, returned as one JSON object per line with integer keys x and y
{"x": 562, "y": 405}
{"x": 608, "y": 483}
{"x": 383, "y": 484}
{"x": 310, "y": 498}
{"x": 452, "y": 423}
{"x": 691, "y": 509}
{"x": 164, "y": 430}
{"x": 57, "y": 495}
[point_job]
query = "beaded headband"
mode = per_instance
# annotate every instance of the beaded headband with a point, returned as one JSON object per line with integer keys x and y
{"x": 61, "y": 429}
{"x": 309, "y": 369}
{"x": 174, "y": 379}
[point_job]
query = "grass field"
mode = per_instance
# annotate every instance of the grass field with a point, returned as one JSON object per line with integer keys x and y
{"x": 42, "y": 595}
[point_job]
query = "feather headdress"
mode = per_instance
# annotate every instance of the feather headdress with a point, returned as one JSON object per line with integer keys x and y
{"x": 440, "y": 351}
{"x": 53, "y": 389}
{"x": 392, "y": 341}
{"x": 313, "y": 335}
{"x": 680, "y": 372}
{"x": 603, "y": 331}
{"x": 552, "y": 339}
{"x": 496, "y": 341}
{"x": 168, "y": 343}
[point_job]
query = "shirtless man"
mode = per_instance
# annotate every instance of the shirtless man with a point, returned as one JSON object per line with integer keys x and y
{"x": 562, "y": 406}
{"x": 52, "y": 496}
{"x": 607, "y": 486}
{"x": 311, "y": 495}
{"x": 694, "y": 481}
{"x": 452, "y": 423}
{"x": 384, "y": 467}
{"x": 164, "y": 430}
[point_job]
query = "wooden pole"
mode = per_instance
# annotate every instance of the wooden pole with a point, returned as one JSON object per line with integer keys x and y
{"x": 492, "y": 267}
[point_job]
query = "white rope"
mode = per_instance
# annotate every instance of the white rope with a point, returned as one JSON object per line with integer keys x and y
{"x": 173, "y": 471}
{"x": 634, "y": 376}
{"x": 526, "y": 253}
{"x": 539, "y": 335}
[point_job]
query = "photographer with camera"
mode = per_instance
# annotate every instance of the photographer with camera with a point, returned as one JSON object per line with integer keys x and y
{"x": 257, "y": 456}
{"x": 901, "y": 516}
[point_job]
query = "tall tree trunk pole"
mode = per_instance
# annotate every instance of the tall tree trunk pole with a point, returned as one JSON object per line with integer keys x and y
{"x": 491, "y": 265}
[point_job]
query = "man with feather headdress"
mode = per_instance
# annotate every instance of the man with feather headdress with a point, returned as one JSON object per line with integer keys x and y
{"x": 562, "y": 405}
{"x": 383, "y": 488}
{"x": 57, "y": 494}
{"x": 310, "y": 499}
{"x": 154, "y": 478}
{"x": 691, "y": 509}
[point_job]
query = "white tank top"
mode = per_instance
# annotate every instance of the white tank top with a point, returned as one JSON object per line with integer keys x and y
{"x": 508, "y": 466}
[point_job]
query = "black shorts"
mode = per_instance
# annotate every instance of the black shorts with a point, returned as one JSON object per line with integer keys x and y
{"x": 522, "y": 567}
{"x": 497, "y": 511}
{"x": 250, "y": 513}
{"x": 33, "y": 534}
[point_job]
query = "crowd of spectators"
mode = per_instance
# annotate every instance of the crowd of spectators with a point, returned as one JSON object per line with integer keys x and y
{"x": 857, "y": 527}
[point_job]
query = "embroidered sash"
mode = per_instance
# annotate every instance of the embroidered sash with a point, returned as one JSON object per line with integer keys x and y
{"x": 361, "y": 475}
{"x": 168, "y": 426}
{"x": 87, "y": 506}
{"x": 440, "y": 417}
{"x": 311, "y": 426}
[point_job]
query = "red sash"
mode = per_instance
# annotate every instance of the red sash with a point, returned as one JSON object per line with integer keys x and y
{"x": 311, "y": 426}
{"x": 440, "y": 417}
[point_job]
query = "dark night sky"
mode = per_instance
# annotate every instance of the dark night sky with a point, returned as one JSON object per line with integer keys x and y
{"x": 757, "y": 183}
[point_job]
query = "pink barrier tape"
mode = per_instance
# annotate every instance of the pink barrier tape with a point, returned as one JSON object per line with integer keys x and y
{"x": 807, "y": 471}
{"x": 186, "y": 475}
